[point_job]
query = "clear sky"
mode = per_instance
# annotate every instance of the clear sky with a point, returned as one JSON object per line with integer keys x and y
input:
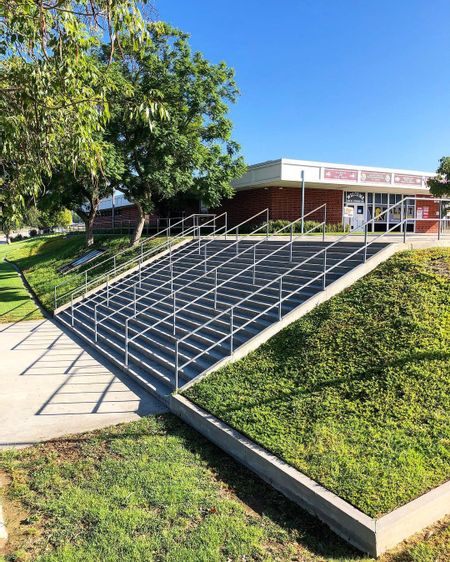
{"x": 347, "y": 81}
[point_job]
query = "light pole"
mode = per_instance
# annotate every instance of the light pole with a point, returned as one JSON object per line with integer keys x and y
{"x": 303, "y": 199}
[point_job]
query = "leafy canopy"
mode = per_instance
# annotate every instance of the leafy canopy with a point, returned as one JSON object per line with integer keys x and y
{"x": 191, "y": 151}
{"x": 54, "y": 94}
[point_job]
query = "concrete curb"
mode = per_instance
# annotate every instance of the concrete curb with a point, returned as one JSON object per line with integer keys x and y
{"x": 373, "y": 536}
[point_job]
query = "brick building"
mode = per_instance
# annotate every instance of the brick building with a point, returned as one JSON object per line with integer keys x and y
{"x": 353, "y": 194}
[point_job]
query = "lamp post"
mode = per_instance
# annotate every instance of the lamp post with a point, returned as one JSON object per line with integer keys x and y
{"x": 303, "y": 200}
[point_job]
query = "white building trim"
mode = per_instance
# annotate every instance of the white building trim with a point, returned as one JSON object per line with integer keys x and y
{"x": 286, "y": 172}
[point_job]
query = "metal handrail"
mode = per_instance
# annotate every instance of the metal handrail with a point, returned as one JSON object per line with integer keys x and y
{"x": 170, "y": 265}
{"x": 403, "y": 222}
{"x": 252, "y": 248}
{"x": 141, "y": 257}
{"x": 114, "y": 257}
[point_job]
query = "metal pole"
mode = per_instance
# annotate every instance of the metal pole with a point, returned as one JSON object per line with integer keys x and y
{"x": 303, "y": 200}
{"x": 226, "y": 225}
{"x": 215, "y": 290}
{"x": 292, "y": 239}
{"x": 107, "y": 291}
{"x": 324, "y": 223}
{"x": 404, "y": 221}
{"x": 174, "y": 312}
{"x": 281, "y": 296}
{"x": 71, "y": 309}
{"x": 140, "y": 275}
{"x": 254, "y": 264}
{"x": 267, "y": 223}
{"x": 206, "y": 267}
{"x": 114, "y": 259}
{"x": 126, "y": 342}
{"x": 237, "y": 239}
{"x": 85, "y": 282}
{"x": 176, "y": 366}
{"x": 365, "y": 242}
{"x": 95, "y": 323}
{"x": 231, "y": 330}
{"x": 55, "y": 295}
{"x": 135, "y": 298}
{"x": 440, "y": 219}
{"x": 325, "y": 270}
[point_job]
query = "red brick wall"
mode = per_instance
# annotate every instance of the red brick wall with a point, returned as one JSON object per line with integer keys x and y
{"x": 123, "y": 216}
{"x": 284, "y": 203}
{"x": 433, "y": 212}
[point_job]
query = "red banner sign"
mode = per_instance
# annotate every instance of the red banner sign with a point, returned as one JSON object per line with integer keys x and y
{"x": 408, "y": 180}
{"x": 338, "y": 174}
{"x": 375, "y": 177}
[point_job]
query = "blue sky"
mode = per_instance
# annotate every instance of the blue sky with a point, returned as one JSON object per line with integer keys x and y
{"x": 351, "y": 81}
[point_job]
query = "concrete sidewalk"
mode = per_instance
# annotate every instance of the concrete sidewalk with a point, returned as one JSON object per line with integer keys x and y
{"x": 51, "y": 386}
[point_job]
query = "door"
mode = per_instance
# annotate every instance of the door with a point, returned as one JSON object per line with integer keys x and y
{"x": 358, "y": 216}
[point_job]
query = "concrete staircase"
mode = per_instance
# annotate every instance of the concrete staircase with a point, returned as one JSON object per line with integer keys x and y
{"x": 198, "y": 334}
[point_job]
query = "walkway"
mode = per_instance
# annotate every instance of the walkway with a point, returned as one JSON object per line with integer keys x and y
{"x": 50, "y": 386}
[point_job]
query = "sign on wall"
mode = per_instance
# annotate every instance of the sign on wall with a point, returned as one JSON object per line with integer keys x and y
{"x": 375, "y": 177}
{"x": 406, "y": 179}
{"x": 355, "y": 197}
{"x": 337, "y": 174}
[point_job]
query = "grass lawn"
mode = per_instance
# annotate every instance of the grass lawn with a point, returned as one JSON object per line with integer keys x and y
{"x": 15, "y": 302}
{"x": 154, "y": 490}
{"x": 356, "y": 394}
{"x": 40, "y": 258}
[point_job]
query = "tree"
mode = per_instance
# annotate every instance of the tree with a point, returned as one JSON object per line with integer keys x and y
{"x": 190, "y": 151}
{"x": 82, "y": 193}
{"x": 440, "y": 185}
{"x": 54, "y": 95}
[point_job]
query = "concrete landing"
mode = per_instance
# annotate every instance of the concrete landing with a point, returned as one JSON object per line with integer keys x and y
{"x": 51, "y": 386}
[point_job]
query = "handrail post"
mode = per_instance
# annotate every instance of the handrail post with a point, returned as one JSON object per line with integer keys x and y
{"x": 142, "y": 250}
{"x": 176, "y": 365}
{"x": 95, "y": 324}
{"x": 114, "y": 260}
{"x": 226, "y": 225}
{"x": 267, "y": 223}
{"x": 126, "y": 342}
{"x": 174, "y": 312}
{"x": 405, "y": 220}
{"x": 231, "y": 330}
{"x": 71, "y": 309}
{"x": 206, "y": 266}
{"x": 325, "y": 269}
{"x": 324, "y": 223}
{"x": 170, "y": 227}
{"x": 281, "y": 297}
{"x": 215, "y": 290}
{"x": 135, "y": 298}
{"x": 54, "y": 292}
{"x": 365, "y": 243}
{"x": 107, "y": 291}
{"x": 85, "y": 282}
{"x": 439, "y": 222}
{"x": 237, "y": 239}
{"x": 292, "y": 241}
{"x": 254, "y": 264}
{"x": 140, "y": 274}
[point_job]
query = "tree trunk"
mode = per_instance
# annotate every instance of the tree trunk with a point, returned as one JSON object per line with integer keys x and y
{"x": 139, "y": 225}
{"x": 89, "y": 223}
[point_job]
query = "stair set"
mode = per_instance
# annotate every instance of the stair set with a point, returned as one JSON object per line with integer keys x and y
{"x": 173, "y": 318}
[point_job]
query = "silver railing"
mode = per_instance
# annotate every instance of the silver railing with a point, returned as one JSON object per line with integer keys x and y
{"x": 170, "y": 282}
{"x": 230, "y": 312}
{"x": 139, "y": 256}
{"x": 173, "y": 294}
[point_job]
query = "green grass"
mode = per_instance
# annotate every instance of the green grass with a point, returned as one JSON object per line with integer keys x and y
{"x": 15, "y": 302}
{"x": 154, "y": 490}
{"x": 356, "y": 394}
{"x": 40, "y": 258}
